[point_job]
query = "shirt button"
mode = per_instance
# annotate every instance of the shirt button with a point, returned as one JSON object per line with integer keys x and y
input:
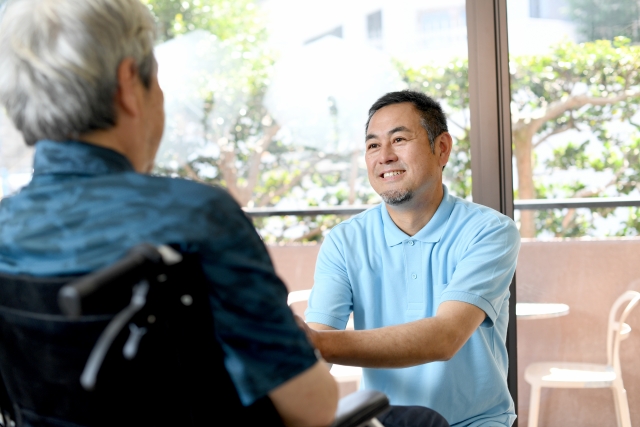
{"x": 415, "y": 276}
{"x": 410, "y": 242}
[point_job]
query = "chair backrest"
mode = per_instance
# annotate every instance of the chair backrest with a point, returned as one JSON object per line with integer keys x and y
{"x": 615, "y": 326}
{"x": 175, "y": 377}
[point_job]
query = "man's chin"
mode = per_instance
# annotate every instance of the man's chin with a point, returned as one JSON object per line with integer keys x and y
{"x": 396, "y": 197}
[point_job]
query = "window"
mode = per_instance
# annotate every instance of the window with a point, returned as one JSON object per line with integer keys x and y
{"x": 548, "y": 9}
{"x": 374, "y": 25}
{"x": 440, "y": 29}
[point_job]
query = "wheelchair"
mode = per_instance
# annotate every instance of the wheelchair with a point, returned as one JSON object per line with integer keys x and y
{"x": 129, "y": 344}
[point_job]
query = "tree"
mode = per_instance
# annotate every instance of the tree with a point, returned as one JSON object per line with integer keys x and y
{"x": 576, "y": 86}
{"x": 256, "y": 166}
{"x": 237, "y": 20}
{"x": 591, "y": 87}
{"x": 606, "y": 19}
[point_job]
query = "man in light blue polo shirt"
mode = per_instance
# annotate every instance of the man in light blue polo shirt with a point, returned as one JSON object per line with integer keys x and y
{"x": 426, "y": 275}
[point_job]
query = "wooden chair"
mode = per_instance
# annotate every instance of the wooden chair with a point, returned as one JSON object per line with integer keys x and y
{"x": 588, "y": 375}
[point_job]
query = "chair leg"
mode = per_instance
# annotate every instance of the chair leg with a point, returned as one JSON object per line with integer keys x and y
{"x": 622, "y": 406}
{"x": 534, "y": 406}
{"x": 616, "y": 405}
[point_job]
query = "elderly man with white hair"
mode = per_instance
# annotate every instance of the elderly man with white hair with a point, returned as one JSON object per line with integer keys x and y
{"x": 78, "y": 78}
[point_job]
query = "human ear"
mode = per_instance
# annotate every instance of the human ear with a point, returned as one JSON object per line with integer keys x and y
{"x": 128, "y": 87}
{"x": 444, "y": 143}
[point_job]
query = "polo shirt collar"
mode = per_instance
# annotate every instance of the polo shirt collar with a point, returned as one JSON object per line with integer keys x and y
{"x": 77, "y": 158}
{"x": 430, "y": 233}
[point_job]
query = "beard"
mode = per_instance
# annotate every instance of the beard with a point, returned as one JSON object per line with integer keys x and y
{"x": 396, "y": 197}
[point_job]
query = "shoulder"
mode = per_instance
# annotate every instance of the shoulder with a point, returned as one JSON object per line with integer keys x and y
{"x": 178, "y": 187}
{"x": 181, "y": 193}
{"x": 476, "y": 221}
{"x": 367, "y": 219}
{"x": 365, "y": 223}
{"x": 353, "y": 234}
{"x": 198, "y": 210}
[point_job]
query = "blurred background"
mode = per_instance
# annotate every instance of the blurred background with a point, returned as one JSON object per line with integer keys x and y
{"x": 269, "y": 99}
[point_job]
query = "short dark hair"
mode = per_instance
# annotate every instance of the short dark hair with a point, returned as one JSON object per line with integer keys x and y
{"x": 432, "y": 117}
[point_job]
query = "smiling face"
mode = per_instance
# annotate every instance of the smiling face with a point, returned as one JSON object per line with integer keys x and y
{"x": 401, "y": 166}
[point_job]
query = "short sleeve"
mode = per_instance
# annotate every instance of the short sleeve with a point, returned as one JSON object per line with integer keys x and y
{"x": 262, "y": 343}
{"x": 483, "y": 274}
{"x": 331, "y": 300}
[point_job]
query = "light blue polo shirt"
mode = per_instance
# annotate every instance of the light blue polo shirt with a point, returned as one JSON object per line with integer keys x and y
{"x": 467, "y": 252}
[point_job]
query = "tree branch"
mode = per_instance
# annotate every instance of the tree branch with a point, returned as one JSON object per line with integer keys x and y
{"x": 464, "y": 128}
{"x": 588, "y": 193}
{"x": 229, "y": 172}
{"x": 255, "y": 160}
{"x": 311, "y": 233}
{"x": 192, "y": 174}
{"x": 284, "y": 189}
{"x": 571, "y": 103}
{"x": 265, "y": 198}
{"x": 555, "y": 132}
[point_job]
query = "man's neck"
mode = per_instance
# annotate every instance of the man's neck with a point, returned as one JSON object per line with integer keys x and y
{"x": 414, "y": 215}
{"x": 119, "y": 141}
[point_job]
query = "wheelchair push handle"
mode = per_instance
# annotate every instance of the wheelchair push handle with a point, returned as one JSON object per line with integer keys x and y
{"x": 139, "y": 262}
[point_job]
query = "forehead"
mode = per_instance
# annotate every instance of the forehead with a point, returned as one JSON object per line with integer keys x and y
{"x": 394, "y": 115}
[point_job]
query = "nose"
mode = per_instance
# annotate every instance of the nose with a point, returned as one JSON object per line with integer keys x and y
{"x": 387, "y": 154}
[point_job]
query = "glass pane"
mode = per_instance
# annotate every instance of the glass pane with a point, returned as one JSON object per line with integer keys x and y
{"x": 270, "y": 98}
{"x": 574, "y": 86}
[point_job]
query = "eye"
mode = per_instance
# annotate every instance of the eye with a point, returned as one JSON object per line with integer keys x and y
{"x": 372, "y": 145}
{"x": 398, "y": 139}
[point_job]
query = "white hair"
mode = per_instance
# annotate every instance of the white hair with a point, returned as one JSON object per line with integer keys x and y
{"x": 59, "y": 61}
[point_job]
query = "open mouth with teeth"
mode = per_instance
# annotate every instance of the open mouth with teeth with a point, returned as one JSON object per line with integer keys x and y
{"x": 390, "y": 174}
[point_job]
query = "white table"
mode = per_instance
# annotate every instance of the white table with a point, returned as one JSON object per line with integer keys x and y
{"x": 524, "y": 310}
{"x": 531, "y": 310}
{"x": 298, "y": 296}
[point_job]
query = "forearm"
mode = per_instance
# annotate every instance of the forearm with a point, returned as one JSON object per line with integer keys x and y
{"x": 390, "y": 347}
{"x": 414, "y": 343}
{"x": 307, "y": 400}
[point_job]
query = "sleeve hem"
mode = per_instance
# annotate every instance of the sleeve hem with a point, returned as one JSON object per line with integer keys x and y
{"x": 325, "y": 319}
{"x": 476, "y": 300}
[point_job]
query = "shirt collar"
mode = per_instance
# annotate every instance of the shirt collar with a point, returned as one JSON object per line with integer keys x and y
{"x": 430, "y": 233}
{"x": 77, "y": 158}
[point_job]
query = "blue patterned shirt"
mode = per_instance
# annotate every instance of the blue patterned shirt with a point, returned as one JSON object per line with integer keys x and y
{"x": 86, "y": 207}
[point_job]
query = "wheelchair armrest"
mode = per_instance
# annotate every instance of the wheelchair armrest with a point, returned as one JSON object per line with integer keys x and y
{"x": 360, "y": 407}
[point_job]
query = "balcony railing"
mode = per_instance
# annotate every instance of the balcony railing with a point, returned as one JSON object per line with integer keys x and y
{"x": 529, "y": 204}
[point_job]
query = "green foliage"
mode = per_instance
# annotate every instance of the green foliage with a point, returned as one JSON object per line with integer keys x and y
{"x": 237, "y": 20}
{"x": 590, "y": 87}
{"x": 585, "y": 86}
{"x": 257, "y": 166}
{"x": 597, "y": 69}
{"x": 570, "y": 155}
{"x": 574, "y": 86}
{"x": 605, "y": 19}
{"x": 632, "y": 226}
{"x": 563, "y": 222}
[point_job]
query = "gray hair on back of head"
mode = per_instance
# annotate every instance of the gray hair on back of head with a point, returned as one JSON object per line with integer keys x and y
{"x": 59, "y": 62}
